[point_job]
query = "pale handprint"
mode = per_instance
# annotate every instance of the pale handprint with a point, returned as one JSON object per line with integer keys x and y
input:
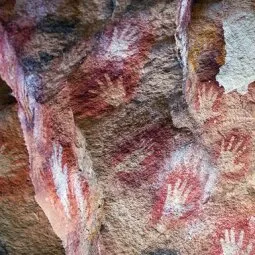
{"x": 60, "y": 177}
{"x": 113, "y": 93}
{"x": 231, "y": 246}
{"x": 192, "y": 159}
{"x": 196, "y": 161}
{"x": 207, "y": 100}
{"x": 119, "y": 47}
{"x": 176, "y": 199}
{"x": 229, "y": 153}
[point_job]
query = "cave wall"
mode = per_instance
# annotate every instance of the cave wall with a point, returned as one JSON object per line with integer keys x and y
{"x": 24, "y": 227}
{"x": 137, "y": 122}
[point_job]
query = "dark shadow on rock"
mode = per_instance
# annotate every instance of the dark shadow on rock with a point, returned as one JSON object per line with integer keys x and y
{"x": 3, "y": 250}
{"x": 5, "y": 95}
{"x": 161, "y": 252}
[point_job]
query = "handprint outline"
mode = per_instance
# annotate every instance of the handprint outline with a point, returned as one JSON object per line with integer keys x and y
{"x": 194, "y": 160}
{"x": 202, "y": 100}
{"x": 231, "y": 244}
{"x": 121, "y": 42}
{"x": 112, "y": 92}
{"x": 176, "y": 198}
{"x": 207, "y": 100}
{"x": 230, "y": 153}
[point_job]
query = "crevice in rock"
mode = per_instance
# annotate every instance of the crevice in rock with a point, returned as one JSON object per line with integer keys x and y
{"x": 6, "y": 97}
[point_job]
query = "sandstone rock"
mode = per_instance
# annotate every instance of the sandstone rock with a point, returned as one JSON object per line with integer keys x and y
{"x": 136, "y": 121}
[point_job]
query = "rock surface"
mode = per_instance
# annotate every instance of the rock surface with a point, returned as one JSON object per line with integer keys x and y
{"x": 24, "y": 227}
{"x": 130, "y": 123}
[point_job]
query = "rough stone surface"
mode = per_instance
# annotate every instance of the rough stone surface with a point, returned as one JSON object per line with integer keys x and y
{"x": 24, "y": 227}
{"x": 136, "y": 120}
{"x": 239, "y": 33}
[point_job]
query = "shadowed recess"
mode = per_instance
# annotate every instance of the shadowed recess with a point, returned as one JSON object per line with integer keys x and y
{"x": 5, "y": 95}
{"x": 161, "y": 252}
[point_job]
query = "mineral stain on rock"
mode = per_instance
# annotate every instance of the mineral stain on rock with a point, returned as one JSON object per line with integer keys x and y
{"x": 31, "y": 64}
{"x": 3, "y": 250}
{"x": 58, "y": 25}
{"x": 45, "y": 57}
{"x": 116, "y": 145}
{"x": 36, "y": 64}
{"x": 162, "y": 252}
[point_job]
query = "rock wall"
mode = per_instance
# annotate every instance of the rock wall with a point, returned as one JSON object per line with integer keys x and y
{"x": 138, "y": 121}
{"x": 24, "y": 227}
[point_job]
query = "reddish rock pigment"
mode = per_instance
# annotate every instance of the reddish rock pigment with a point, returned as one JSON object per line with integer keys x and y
{"x": 137, "y": 135}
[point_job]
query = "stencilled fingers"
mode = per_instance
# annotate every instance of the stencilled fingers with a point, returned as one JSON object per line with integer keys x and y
{"x": 177, "y": 196}
{"x": 233, "y": 243}
{"x": 206, "y": 97}
{"x": 230, "y": 153}
{"x": 128, "y": 35}
{"x": 235, "y": 145}
{"x": 112, "y": 92}
{"x": 123, "y": 43}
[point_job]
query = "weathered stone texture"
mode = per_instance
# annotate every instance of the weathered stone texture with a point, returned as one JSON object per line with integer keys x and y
{"x": 137, "y": 121}
{"x": 24, "y": 227}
